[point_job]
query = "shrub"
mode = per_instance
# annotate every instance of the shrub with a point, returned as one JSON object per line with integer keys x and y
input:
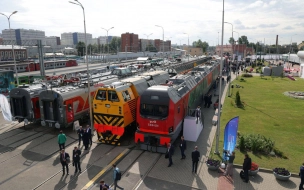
{"x": 246, "y": 75}
{"x": 238, "y": 99}
{"x": 256, "y": 143}
{"x": 242, "y": 143}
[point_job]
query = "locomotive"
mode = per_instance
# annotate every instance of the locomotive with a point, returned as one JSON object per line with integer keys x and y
{"x": 114, "y": 106}
{"x": 61, "y": 106}
{"x": 161, "y": 109}
{"x": 115, "y": 117}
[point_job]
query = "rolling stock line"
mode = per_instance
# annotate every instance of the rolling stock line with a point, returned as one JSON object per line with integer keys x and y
{"x": 61, "y": 106}
{"x": 113, "y": 118}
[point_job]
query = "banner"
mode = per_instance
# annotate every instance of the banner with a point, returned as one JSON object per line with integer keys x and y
{"x": 230, "y": 136}
{"x": 6, "y": 111}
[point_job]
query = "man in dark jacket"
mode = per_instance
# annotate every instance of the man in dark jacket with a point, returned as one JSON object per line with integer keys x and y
{"x": 86, "y": 139}
{"x": 246, "y": 167}
{"x": 301, "y": 174}
{"x": 205, "y": 100}
{"x": 195, "y": 158}
{"x": 76, "y": 159}
{"x": 183, "y": 147}
{"x": 89, "y": 131}
{"x": 170, "y": 152}
{"x": 80, "y": 134}
{"x": 64, "y": 157}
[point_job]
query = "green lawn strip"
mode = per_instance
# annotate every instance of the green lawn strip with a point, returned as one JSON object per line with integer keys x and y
{"x": 270, "y": 113}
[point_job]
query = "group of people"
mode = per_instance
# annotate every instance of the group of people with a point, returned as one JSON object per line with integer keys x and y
{"x": 65, "y": 160}
{"x": 85, "y": 135}
{"x": 195, "y": 155}
{"x": 246, "y": 166}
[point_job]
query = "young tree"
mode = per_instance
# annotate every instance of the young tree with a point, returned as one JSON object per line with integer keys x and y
{"x": 80, "y": 48}
{"x": 231, "y": 40}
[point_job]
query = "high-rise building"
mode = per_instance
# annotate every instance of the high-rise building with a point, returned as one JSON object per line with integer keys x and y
{"x": 162, "y": 46}
{"x": 129, "y": 42}
{"x": 75, "y": 37}
{"x": 22, "y": 37}
{"x": 52, "y": 41}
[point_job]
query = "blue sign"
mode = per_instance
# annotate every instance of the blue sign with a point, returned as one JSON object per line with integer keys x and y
{"x": 230, "y": 136}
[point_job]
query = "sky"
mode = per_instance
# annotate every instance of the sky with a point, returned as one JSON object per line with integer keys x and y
{"x": 199, "y": 19}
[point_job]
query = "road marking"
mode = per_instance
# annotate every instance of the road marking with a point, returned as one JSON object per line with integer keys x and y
{"x": 105, "y": 169}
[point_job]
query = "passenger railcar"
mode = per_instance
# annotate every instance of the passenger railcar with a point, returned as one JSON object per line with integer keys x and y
{"x": 161, "y": 109}
{"x": 24, "y": 102}
{"x": 60, "y": 107}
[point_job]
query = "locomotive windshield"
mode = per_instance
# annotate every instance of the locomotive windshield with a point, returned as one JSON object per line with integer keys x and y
{"x": 101, "y": 95}
{"x": 153, "y": 110}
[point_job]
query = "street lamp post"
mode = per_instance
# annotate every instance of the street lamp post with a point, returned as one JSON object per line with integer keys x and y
{"x": 86, "y": 59}
{"x": 238, "y": 42}
{"x": 9, "y": 26}
{"x": 188, "y": 46}
{"x": 163, "y": 39}
{"x": 107, "y": 41}
{"x": 232, "y": 57}
{"x": 232, "y": 38}
{"x": 148, "y": 41}
{"x": 220, "y": 90}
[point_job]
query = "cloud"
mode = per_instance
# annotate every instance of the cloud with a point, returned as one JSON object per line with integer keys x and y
{"x": 288, "y": 28}
{"x": 268, "y": 25}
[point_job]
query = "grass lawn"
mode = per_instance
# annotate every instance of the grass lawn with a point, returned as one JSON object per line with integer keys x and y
{"x": 270, "y": 113}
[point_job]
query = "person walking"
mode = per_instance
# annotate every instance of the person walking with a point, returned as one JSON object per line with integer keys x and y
{"x": 116, "y": 176}
{"x": 64, "y": 159}
{"x": 80, "y": 134}
{"x": 246, "y": 167}
{"x": 195, "y": 158}
{"x": 61, "y": 140}
{"x": 76, "y": 159}
{"x": 229, "y": 169}
{"x": 198, "y": 113}
{"x": 89, "y": 131}
{"x": 301, "y": 174}
{"x": 205, "y": 100}
{"x": 209, "y": 100}
{"x": 170, "y": 152}
{"x": 183, "y": 147}
{"x": 85, "y": 139}
{"x": 103, "y": 185}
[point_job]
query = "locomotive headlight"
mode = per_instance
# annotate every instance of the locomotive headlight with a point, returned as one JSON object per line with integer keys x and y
{"x": 170, "y": 129}
{"x": 43, "y": 123}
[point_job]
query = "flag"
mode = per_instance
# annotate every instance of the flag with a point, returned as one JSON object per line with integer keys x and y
{"x": 230, "y": 136}
{"x": 6, "y": 111}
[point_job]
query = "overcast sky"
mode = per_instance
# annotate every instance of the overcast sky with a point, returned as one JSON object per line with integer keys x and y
{"x": 201, "y": 19}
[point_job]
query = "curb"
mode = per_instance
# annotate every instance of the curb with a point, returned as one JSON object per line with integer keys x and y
{"x": 265, "y": 170}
